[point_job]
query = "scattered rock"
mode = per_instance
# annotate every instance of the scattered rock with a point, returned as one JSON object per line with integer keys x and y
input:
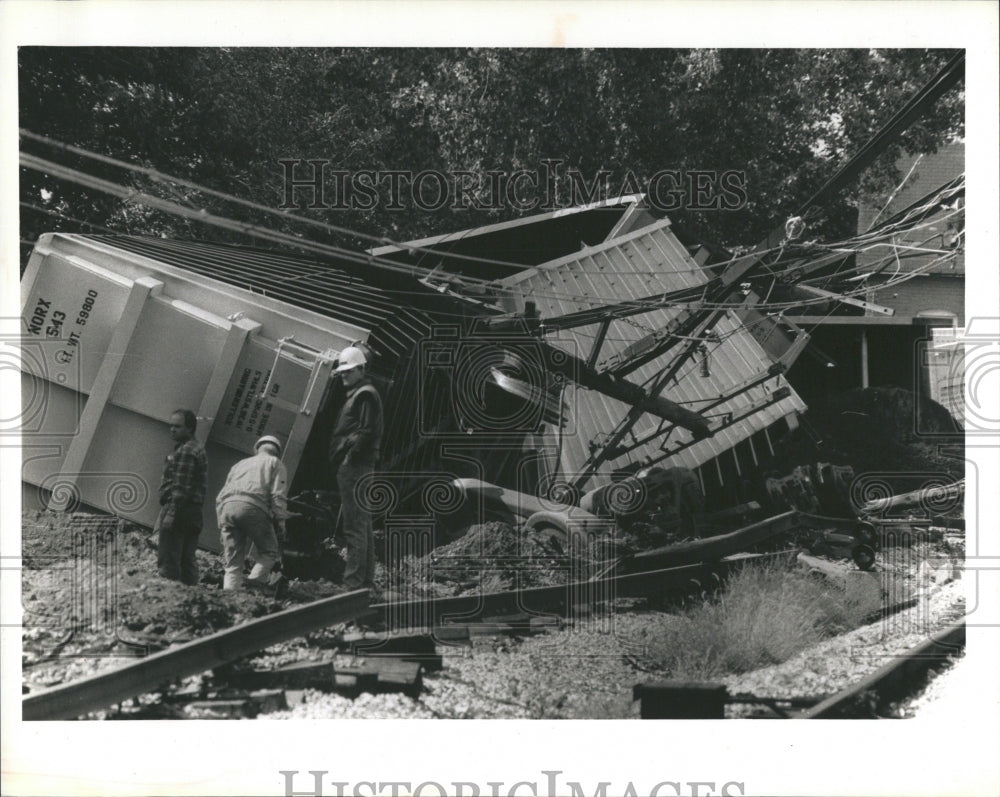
{"x": 93, "y": 600}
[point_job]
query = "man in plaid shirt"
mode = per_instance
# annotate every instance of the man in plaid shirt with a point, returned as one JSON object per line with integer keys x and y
{"x": 182, "y": 493}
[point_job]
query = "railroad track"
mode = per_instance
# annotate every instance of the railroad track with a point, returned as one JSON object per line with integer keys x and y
{"x": 697, "y": 567}
{"x": 901, "y": 678}
{"x": 151, "y": 673}
{"x": 111, "y": 686}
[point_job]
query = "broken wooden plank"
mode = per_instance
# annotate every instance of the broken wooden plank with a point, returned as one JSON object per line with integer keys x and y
{"x": 356, "y": 678}
{"x": 238, "y": 708}
{"x": 268, "y": 700}
{"x": 395, "y": 672}
{"x": 380, "y": 675}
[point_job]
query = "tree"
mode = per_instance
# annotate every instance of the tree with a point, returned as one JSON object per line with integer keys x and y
{"x": 224, "y": 118}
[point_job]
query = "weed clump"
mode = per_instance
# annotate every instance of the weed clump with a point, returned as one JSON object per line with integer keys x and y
{"x": 766, "y": 615}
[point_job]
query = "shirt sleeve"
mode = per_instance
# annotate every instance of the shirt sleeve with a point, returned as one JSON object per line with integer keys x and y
{"x": 166, "y": 483}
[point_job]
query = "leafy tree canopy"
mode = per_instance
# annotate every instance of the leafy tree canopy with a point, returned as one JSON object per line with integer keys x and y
{"x": 224, "y": 118}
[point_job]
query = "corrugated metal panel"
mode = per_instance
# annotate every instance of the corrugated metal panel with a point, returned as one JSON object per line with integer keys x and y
{"x": 646, "y": 262}
{"x": 391, "y": 331}
{"x": 298, "y": 281}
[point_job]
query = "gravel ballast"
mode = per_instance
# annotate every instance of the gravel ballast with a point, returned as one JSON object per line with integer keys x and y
{"x": 586, "y": 669}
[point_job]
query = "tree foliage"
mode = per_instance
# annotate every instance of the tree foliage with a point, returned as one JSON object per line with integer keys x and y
{"x": 224, "y": 118}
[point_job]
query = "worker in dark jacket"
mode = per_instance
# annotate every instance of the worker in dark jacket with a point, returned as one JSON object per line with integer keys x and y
{"x": 353, "y": 454}
{"x": 182, "y": 494}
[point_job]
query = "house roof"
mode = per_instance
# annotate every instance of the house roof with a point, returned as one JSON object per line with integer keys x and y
{"x": 922, "y": 174}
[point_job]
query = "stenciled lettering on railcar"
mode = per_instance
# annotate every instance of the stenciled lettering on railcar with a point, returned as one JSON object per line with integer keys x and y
{"x": 46, "y": 320}
{"x": 247, "y": 411}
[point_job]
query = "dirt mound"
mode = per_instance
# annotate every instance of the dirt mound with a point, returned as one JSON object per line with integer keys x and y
{"x": 490, "y": 557}
{"x": 86, "y": 560}
{"x": 167, "y": 608}
{"x": 92, "y": 597}
{"x": 492, "y": 540}
{"x": 48, "y": 537}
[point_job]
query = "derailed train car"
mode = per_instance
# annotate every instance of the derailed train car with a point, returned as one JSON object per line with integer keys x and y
{"x": 120, "y": 331}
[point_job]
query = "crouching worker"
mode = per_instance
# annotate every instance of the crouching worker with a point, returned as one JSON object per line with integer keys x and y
{"x": 251, "y": 510}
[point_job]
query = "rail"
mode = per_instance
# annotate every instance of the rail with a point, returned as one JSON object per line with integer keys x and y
{"x": 100, "y": 690}
{"x": 895, "y": 679}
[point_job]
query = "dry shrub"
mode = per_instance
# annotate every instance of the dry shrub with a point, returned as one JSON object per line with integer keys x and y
{"x": 766, "y": 615}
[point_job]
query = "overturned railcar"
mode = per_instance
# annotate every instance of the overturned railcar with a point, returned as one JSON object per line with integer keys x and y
{"x": 120, "y": 331}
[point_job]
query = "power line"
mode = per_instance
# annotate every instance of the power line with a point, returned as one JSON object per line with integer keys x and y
{"x": 66, "y": 217}
{"x": 167, "y": 206}
{"x": 351, "y": 256}
{"x": 161, "y": 177}
{"x": 339, "y": 252}
{"x": 168, "y": 179}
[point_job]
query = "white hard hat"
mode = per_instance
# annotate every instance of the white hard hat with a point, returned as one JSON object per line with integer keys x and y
{"x": 274, "y": 441}
{"x": 351, "y": 357}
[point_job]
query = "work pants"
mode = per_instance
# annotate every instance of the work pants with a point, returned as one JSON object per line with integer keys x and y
{"x": 178, "y": 530}
{"x": 245, "y": 528}
{"x": 360, "y": 567}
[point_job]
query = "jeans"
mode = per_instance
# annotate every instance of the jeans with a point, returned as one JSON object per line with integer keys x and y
{"x": 360, "y": 567}
{"x": 244, "y": 527}
{"x": 178, "y": 540}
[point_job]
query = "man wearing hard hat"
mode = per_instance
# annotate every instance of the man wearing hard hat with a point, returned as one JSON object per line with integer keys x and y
{"x": 251, "y": 510}
{"x": 353, "y": 454}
